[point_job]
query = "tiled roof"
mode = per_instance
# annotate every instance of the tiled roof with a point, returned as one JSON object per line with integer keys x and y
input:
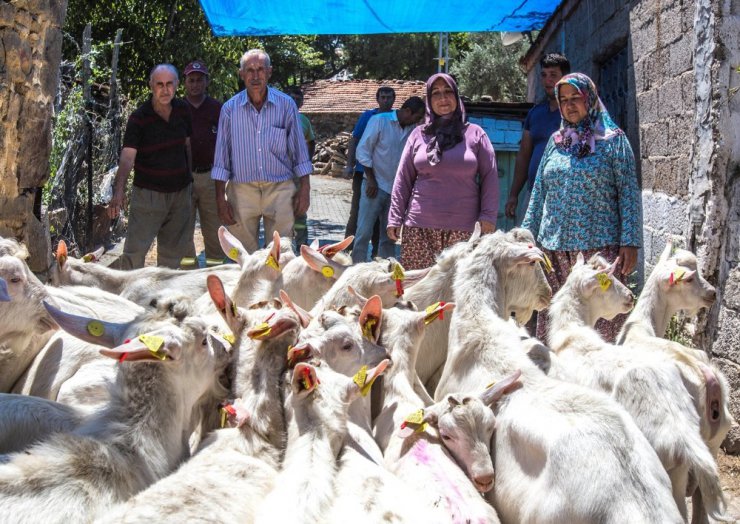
{"x": 354, "y": 96}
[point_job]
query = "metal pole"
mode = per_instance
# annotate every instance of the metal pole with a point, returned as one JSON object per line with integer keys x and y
{"x": 439, "y": 54}
{"x": 447, "y": 52}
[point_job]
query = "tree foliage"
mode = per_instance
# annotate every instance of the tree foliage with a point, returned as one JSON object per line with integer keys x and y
{"x": 489, "y": 68}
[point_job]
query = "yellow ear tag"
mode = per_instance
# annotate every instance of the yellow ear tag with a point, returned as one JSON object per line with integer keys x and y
{"x": 62, "y": 259}
{"x": 228, "y": 337}
{"x": 233, "y": 254}
{"x": 604, "y": 281}
{"x": 223, "y": 418}
{"x": 262, "y": 331}
{"x": 95, "y": 328}
{"x": 398, "y": 273}
{"x": 88, "y": 257}
{"x": 327, "y": 271}
{"x": 548, "y": 264}
{"x": 272, "y": 263}
{"x": 154, "y": 344}
{"x": 187, "y": 261}
{"x": 415, "y": 419}
{"x": 360, "y": 379}
{"x": 677, "y": 276}
{"x": 367, "y": 329}
{"x": 233, "y": 309}
{"x": 432, "y": 313}
{"x": 491, "y": 384}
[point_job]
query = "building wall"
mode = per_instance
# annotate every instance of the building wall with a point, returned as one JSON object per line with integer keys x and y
{"x": 683, "y": 121}
{"x": 30, "y": 52}
{"x": 327, "y": 125}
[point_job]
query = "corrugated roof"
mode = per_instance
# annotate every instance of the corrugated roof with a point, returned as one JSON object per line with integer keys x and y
{"x": 354, "y": 96}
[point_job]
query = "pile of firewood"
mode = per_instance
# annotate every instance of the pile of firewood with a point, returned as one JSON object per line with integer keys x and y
{"x": 331, "y": 155}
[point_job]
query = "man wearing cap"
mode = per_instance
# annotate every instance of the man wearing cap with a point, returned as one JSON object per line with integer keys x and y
{"x": 156, "y": 145}
{"x": 260, "y": 150}
{"x": 205, "y": 111}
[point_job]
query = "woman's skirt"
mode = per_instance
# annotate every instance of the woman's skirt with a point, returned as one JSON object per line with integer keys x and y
{"x": 420, "y": 245}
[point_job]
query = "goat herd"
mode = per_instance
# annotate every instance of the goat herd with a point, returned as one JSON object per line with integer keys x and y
{"x": 157, "y": 395}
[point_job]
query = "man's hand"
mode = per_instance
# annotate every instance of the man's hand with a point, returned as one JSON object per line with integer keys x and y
{"x": 486, "y": 227}
{"x": 116, "y": 205}
{"x": 511, "y": 206}
{"x": 394, "y": 233}
{"x": 371, "y": 188}
{"x": 628, "y": 256}
{"x": 225, "y": 212}
{"x": 302, "y": 198}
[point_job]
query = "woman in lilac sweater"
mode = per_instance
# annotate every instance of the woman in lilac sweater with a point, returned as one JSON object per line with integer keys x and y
{"x": 446, "y": 180}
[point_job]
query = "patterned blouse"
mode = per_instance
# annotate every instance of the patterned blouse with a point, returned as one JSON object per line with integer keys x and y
{"x": 589, "y": 202}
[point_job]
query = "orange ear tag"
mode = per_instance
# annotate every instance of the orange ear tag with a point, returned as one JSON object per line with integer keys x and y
{"x": 154, "y": 344}
{"x": 95, "y": 328}
{"x": 272, "y": 263}
{"x": 327, "y": 271}
{"x": 604, "y": 281}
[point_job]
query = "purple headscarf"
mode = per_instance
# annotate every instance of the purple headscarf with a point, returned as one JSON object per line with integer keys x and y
{"x": 446, "y": 131}
{"x": 580, "y": 139}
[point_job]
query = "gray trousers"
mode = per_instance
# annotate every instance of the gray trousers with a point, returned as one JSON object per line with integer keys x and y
{"x": 164, "y": 216}
{"x": 204, "y": 200}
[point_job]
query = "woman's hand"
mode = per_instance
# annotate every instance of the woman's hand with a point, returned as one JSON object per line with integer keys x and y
{"x": 628, "y": 256}
{"x": 486, "y": 227}
{"x": 394, "y": 233}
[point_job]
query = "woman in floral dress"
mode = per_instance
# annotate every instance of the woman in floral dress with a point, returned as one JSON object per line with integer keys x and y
{"x": 586, "y": 197}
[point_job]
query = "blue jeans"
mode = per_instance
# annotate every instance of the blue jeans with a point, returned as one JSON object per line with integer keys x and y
{"x": 372, "y": 209}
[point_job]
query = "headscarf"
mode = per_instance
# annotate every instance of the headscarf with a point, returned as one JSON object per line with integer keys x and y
{"x": 446, "y": 131}
{"x": 580, "y": 139}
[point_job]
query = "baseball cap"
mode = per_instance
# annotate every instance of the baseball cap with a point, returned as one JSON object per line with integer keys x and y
{"x": 196, "y": 66}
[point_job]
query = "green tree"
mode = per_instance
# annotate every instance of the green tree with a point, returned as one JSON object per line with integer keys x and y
{"x": 489, "y": 68}
{"x": 410, "y": 56}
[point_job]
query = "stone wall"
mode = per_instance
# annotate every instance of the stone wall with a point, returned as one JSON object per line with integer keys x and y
{"x": 326, "y": 125}
{"x": 30, "y": 53}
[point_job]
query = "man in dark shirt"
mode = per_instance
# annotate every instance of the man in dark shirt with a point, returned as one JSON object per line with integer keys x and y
{"x": 156, "y": 146}
{"x": 205, "y": 111}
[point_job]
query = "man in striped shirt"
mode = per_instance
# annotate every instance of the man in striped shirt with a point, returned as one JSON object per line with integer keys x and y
{"x": 260, "y": 149}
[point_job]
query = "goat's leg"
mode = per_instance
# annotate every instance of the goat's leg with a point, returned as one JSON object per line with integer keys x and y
{"x": 679, "y": 480}
{"x": 698, "y": 513}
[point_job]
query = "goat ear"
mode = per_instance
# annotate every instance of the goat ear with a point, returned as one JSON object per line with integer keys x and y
{"x": 415, "y": 275}
{"x": 149, "y": 347}
{"x": 315, "y": 244}
{"x": 303, "y": 315}
{"x": 304, "y": 379}
{"x": 321, "y": 264}
{"x": 498, "y": 389}
{"x": 300, "y": 353}
{"x": 666, "y": 254}
{"x": 680, "y": 274}
{"x": 223, "y": 303}
{"x": 371, "y": 317}
{"x": 91, "y": 330}
{"x": 232, "y": 246}
{"x": 361, "y": 300}
{"x": 275, "y": 250}
{"x": 579, "y": 259}
{"x": 332, "y": 249}
{"x": 61, "y": 254}
{"x": 4, "y": 296}
{"x": 277, "y": 323}
{"x": 476, "y": 233}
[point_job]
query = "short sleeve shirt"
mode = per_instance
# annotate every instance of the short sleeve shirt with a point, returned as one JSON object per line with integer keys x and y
{"x": 161, "y": 156}
{"x": 541, "y": 124}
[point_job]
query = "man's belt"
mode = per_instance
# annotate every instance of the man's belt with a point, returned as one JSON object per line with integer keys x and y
{"x": 202, "y": 169}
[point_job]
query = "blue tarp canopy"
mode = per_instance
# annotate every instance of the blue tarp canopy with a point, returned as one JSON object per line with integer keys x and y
{"x": 354, "y": 17}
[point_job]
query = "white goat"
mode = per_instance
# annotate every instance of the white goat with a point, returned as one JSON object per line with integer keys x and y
{"x": 25, "y": 326}
{"x": 317, "y": 411}
{"x": 308, "y": 277}
{"x": 26, "y": 420}
{"x": 648, "y": 385}
{"x": 427, "y": 453}
{"x": 563, "y": 453}
{"x": 523, "y": 289}
{"x": 139, "y": 438}
{"x": 385, "y": 278}
{"x": 137, "y": 285}
{"x": 676, "y": 284}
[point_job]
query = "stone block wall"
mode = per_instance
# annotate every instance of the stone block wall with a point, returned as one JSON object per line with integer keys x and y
{"x": 30, "y": 53}
{"x": 327, "y": 125}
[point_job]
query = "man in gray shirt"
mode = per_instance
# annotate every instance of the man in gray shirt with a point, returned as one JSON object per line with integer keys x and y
{"x": 380, "y": 152}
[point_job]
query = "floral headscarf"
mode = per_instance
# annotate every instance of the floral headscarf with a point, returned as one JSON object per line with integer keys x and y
{"x": 447, "y": 131}
{"x": 580, "y": 139}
